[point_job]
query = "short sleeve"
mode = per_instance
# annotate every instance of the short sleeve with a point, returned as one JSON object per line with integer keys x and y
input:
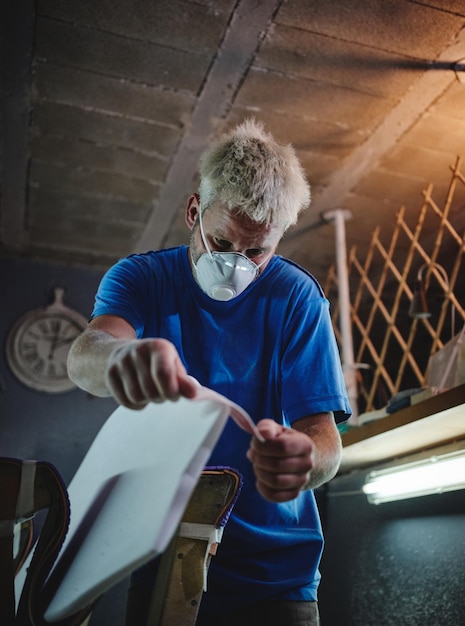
{"x": 122, "y": 292}
{"x": 311, "y": 367}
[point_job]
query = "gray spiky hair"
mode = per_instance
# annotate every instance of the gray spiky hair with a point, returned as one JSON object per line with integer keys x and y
{"x": 247, "y": 170}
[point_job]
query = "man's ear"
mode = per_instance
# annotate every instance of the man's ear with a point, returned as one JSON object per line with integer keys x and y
{"x": 192, "y": 210}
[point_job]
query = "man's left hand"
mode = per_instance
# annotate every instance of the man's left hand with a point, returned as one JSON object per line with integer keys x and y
{"x": 283, "y": 462}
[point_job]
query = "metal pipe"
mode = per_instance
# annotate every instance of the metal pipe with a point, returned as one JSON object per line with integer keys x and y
{"x": 339, "y": 216}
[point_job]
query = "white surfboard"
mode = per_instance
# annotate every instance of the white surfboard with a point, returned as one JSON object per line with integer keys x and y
{"x": 129, "y": 494}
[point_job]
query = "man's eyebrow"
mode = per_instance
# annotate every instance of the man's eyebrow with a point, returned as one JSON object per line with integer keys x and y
{"x": 219, "y": 234}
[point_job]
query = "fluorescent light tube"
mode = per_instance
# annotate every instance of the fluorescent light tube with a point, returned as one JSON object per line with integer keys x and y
{"x": 429, "y": 476}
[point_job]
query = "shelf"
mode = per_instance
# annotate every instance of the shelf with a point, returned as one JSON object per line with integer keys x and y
{"x": 435, "y": 421}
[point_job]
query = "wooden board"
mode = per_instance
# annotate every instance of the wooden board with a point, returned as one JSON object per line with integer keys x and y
{"x": 434, "y": 421}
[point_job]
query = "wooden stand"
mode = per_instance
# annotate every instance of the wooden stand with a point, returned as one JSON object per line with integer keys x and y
{"x": 432, "y": 422}
{"x": 181, "y": 579}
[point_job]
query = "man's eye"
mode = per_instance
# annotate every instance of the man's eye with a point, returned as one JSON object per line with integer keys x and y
{"x": 222, "y": 244}
{"x": 254, "y": 252}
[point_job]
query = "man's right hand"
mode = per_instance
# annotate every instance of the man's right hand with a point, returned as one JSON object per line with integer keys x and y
{"x": 147, "y": 370}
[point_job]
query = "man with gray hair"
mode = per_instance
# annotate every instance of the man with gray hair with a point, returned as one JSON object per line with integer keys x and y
{"x": 255, "y": 327}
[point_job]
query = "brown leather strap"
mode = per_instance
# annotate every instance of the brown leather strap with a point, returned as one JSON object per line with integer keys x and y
{"x": 10, "y": 485}
{"x": 7, "y": 592}
{"x": 26, "y": 488}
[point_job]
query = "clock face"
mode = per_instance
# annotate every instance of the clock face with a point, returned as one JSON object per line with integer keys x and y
{"x": 38, "y": 346}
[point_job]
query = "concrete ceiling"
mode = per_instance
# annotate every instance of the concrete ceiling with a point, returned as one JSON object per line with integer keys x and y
{"x": 106, "y": 106}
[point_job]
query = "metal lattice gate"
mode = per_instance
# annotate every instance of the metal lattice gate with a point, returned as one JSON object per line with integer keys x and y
{"x": 391, "y": 348}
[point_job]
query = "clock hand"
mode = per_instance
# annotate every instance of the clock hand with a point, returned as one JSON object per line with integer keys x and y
{"x": 63, "y": 341}
{"x": 53, "y": 345}
{"x": 57, "y": 343}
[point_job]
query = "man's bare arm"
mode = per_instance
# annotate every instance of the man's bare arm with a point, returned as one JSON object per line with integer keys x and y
{"x": 108, "y": 359}
{"x": 90, "y": 353}
{"x": 327, "y": 449}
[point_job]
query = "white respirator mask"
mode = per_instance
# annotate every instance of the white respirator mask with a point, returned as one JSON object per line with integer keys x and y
{"x": 223, "y": 275}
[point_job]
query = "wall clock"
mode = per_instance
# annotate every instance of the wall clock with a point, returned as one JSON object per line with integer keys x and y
{"x": 38, "y": 344}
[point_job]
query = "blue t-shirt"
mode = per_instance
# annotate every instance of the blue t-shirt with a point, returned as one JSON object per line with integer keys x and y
{"x": 271, "y": 350}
